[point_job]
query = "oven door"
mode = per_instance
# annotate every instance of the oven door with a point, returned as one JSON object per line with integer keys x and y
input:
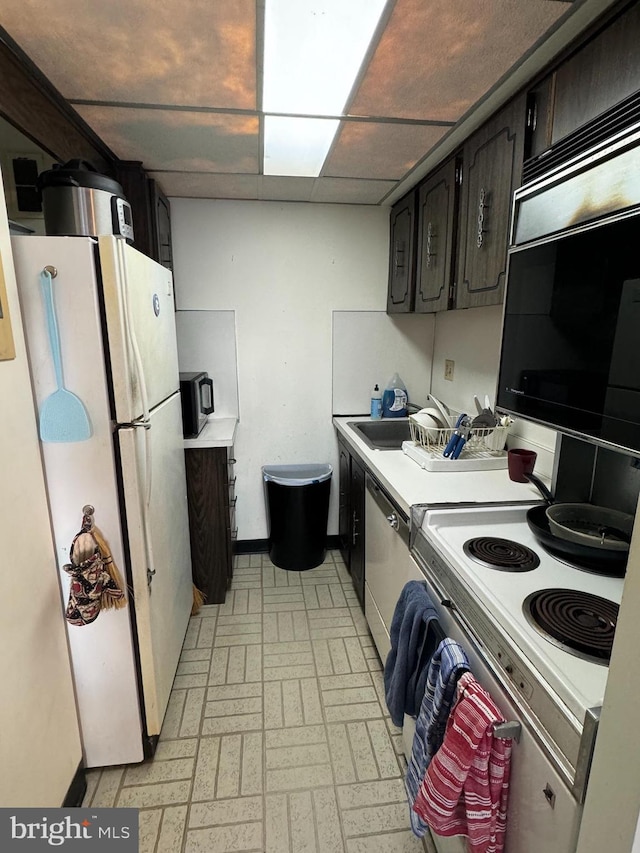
{"x": 542, "y": 814}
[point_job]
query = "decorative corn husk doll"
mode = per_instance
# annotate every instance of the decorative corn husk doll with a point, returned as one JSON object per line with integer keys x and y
{"x": 198, "y": 600}
{"x": 96, "y": 583}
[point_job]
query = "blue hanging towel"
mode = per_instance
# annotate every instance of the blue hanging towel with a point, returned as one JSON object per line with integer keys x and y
{"x": 415, "y": 634}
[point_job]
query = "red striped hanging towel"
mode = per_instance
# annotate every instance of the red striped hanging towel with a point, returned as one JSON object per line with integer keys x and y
{"x": 466, "y": 787}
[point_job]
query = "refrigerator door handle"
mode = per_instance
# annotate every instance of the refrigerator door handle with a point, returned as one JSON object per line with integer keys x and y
{"x": 145, "y": 422}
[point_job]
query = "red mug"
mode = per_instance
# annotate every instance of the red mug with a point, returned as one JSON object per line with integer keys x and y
{"x": 520, "y": 462}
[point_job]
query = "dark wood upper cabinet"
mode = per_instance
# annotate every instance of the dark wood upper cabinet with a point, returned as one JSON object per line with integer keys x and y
{"x": 160, "y": 225}
{"x": 400, "y": 295}
{"x": 603, "y": 72}
{"x": 539, "y": 120}
{"x": 150, "y": 210}
{"x": 492, "y": 171}
{"x": 437, "y": 210}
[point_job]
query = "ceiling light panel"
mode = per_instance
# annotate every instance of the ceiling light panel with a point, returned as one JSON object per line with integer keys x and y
{"x": 313, "y": 51}
{"x": 297, "y": 146}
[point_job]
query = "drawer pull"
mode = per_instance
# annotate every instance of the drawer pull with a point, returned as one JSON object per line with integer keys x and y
{"x": 482, "y": 206}
{"x": 234, "y": 533}
{"x": 233, "y": 502}
{"x": 231, "y": 461}
{"x": 429, "y": 254}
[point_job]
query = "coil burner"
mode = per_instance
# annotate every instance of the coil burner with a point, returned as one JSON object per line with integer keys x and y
{"x": 578, "y": 622}
{"x": 502, "y": 554}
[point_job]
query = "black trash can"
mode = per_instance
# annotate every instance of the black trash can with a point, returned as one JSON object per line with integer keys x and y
{"x": 298, "y": 510}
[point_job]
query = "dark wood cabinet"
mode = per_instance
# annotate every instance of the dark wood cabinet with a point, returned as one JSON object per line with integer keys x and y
{"x": 492, "y": 170}
{"x": 160, "y": 225}
{"x": 599, "y": 75}
{"x": 151, "y": 212}
{"x": 212, "y": 530}
{"x": 402, "y": 260}
{"x": 461, "y": 214}
{"x": 356, "y": 561}
{"x": 344, "y": 489}
{"x": 351, "y": 516}
{"x": 437, "y": 210}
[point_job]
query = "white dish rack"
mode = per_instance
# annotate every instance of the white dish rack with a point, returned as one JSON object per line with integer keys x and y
{"x": 483, "y": 450}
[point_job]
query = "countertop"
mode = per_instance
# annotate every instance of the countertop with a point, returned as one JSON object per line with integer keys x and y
{"x": 218, "y": 432}
{"x": 408, "y": 483}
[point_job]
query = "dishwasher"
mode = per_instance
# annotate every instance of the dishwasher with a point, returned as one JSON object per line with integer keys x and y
{"x": 388, "y": 563}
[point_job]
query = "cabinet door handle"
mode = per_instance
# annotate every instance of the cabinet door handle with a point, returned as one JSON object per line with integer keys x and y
{"x": 429, "y": 253}
{"x": 482, "y": 206}
{"x": 233, "y": 502}
{"x": 398, "y": 257}
{"x": 231, "y": 461}
{"x": 354, "y": 527}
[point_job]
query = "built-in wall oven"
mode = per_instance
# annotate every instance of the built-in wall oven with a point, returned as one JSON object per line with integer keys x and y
{"x": 569, "y": 355}
{"x": 538, "y": 633}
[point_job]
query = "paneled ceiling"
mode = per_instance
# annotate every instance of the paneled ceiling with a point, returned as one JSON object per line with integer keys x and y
{"x": 177, "y": 85}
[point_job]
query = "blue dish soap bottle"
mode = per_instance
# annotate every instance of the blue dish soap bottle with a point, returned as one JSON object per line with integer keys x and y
{"x": 395, "y": 399}
{"x": 376, "y": 403}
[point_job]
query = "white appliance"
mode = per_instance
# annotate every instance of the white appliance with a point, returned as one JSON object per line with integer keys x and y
{"x": 546, "y": 686}
{"x": 115, "y": 312}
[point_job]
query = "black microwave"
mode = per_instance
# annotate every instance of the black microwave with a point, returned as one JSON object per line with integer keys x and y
{"x": 570, "y": 353}
{"x": 196, "y": 393}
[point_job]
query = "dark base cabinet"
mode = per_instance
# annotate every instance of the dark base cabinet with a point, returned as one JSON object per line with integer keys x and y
{"x": 211, "y": 500}
{"x": 351, "y": 516}
{"x": 357, "y": 528}
{"x": 344, "y": 512}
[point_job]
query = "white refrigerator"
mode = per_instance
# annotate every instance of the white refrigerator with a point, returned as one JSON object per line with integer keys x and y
{"x": 116, "y": 325}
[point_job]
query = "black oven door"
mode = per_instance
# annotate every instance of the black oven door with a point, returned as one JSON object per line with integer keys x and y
{"x": 570, "y": 355}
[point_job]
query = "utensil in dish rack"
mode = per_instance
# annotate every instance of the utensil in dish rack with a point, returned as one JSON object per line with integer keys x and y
{"x": 459, "y": 437}
{"x": 485, "y": 418}
{"x": 445, "y": 415}
{"x": 430, "y": 421}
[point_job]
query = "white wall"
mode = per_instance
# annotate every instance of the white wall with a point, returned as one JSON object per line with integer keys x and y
{"x": 369, "y": 347}
{"x": 39, "y": 738}
{"x": 471, "y": 338}
{"x": 207, "y": 342}
{"x": 283, "y": 269}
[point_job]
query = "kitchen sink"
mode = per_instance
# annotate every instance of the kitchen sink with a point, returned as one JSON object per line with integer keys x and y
{"x": 383, "y": 434}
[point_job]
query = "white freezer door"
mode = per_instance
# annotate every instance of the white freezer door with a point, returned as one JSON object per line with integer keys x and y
{"x": 164, "y": 607}
{"x": 138, "y": 296}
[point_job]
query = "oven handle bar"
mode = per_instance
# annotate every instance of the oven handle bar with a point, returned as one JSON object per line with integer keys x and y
{"x": 510, "y": 730}
{"x": 585, "y": 753}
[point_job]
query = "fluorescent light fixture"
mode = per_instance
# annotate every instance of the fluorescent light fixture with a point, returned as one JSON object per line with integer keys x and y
{"x": 297, "y": 146}
{"x": 312, "y": 54}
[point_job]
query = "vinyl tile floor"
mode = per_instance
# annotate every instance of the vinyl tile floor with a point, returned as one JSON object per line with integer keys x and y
{"x": 277, "y": 738}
